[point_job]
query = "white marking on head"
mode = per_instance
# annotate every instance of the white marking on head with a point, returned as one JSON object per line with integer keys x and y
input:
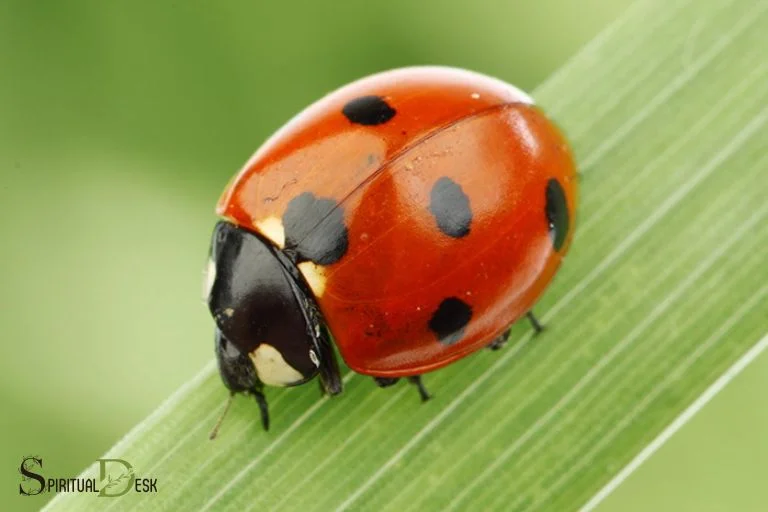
{"x": 314, "y": 358}
{"x": 208, "y": 279}
{"x": 272, "y": 228}
{"x": 315, "y": 276}
{"x": 272, "y": 368}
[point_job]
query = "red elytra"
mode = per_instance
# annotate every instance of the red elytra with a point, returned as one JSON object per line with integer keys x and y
{"x": 457, "y": 197}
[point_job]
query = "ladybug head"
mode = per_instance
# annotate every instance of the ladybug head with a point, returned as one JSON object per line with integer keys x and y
{"x": 268, "y": 328}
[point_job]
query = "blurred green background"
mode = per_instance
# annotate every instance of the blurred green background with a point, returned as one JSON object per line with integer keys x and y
{"x": 121, "y": 122}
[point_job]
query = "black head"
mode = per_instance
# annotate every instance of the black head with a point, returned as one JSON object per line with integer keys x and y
{"x": 268, "y": 328}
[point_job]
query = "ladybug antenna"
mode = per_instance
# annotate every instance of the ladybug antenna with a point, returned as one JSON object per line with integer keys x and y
{"x": 216, "y": 427}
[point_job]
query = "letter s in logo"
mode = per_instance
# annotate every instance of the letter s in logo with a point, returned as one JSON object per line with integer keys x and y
{"x": 27, "y": 464}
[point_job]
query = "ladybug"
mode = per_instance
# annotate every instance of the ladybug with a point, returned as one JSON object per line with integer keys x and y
{"x": 409, "y": 219}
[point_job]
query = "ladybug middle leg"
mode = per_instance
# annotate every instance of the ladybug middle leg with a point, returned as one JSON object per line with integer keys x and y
{"x": 502, "y": 340}
{"x": 385, "y": 382}
{"x": 423, "y": 393}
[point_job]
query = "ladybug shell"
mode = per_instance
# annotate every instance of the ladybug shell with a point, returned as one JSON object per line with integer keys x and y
{"x": 428, "y": 209}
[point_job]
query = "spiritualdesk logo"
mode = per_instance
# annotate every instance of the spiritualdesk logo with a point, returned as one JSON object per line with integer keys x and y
{"x": 116, "y": 478}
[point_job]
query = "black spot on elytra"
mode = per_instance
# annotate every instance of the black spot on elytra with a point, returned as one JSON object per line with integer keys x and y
{"x": 449, "y": 320}
{"x": 322, "y": 243}
{"x": 557, "y": 213}
{"x": 368, "y": 110}
{"x": 450, "y": 206}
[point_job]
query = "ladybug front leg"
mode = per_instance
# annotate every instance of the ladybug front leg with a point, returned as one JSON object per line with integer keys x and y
{"x": 502, "y": 340}
{"x": 385, "y": 382}
{"x": 330, "y": 376}
{"x": 258, "y": 394}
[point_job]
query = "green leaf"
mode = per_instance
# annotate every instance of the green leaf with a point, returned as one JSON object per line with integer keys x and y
{"x": 665, "y": 289}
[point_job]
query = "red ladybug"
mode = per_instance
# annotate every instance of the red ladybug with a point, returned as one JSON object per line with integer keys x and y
{"x": 410, "y": 218}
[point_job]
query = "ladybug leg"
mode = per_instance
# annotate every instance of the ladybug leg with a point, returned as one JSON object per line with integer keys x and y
{"x": 385, "y": 382}
{"x": 258, "y": 394}
{"x": 500, "y": 341}
{"x": 330, "y": 376}
{"x": 321, "y": 385}
{"x": 537, "y": 327}
{"x": 423, "y": 393}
